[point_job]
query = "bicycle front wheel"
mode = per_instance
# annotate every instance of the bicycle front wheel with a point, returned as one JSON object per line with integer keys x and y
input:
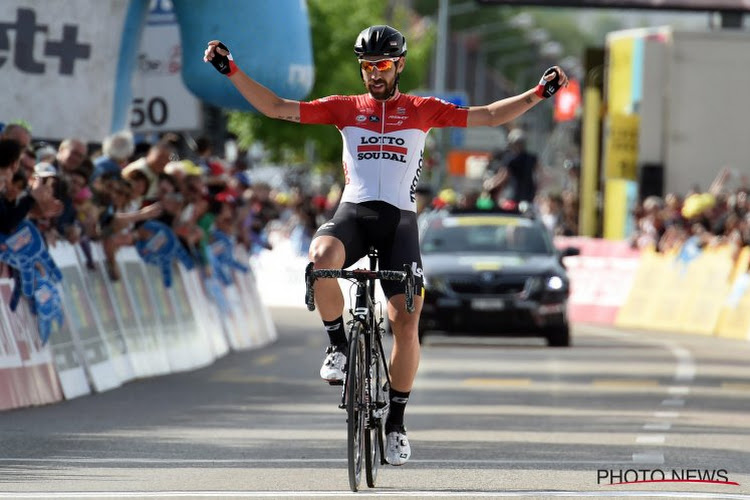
{"x": 374, "y": 434}
{"x": 355, "y": 405}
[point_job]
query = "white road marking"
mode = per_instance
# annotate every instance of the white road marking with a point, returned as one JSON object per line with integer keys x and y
{"x": 657, "y": 426}
{"x": 202, "y": 461}
{"x": 679, "y": 390}
{"x": 377, "y": 494}
{"x": 650, "y": 439}
{"x": 666, "y": 414}
{"x": 649, "y": 457}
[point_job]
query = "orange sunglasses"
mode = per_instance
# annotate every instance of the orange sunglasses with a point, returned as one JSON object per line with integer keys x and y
{"x": 381, "y": 65}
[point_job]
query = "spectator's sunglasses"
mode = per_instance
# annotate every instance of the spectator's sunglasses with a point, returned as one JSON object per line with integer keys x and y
{"x": 381, "y": 65}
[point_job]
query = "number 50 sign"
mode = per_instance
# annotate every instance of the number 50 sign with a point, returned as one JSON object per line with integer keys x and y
{"x": 160, "y": 99}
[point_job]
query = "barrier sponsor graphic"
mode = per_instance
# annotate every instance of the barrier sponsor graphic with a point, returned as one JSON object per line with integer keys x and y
{"x": 222, "y": 248}
{"x": 27, "y": 375}
{"x": 24, "y": 250}
{"x": 206, "y": 312}
{"x": 47, "y": 307}
{"x": 161, "y": 249}
{"x": 105, "y": 311}
{"x": 139, "y": 292}
{"x": 83, "y": 323}
{"x": 601, "y": 277}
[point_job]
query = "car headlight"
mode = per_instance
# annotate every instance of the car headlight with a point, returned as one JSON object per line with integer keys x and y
{"x": 555, "y": 283}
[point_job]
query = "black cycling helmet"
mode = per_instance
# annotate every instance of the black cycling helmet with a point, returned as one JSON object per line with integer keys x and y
{"x": 380, "y": 40}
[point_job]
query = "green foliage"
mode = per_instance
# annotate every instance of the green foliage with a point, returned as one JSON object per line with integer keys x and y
{"x": 334, "y": 26}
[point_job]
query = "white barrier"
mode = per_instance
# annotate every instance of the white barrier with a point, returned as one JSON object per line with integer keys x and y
{"x": 116, "y": 331}
{"x": 27, "y": 374}
{"x": 281, "y": 277}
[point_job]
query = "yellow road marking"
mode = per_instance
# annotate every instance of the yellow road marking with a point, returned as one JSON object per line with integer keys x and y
{"x": 266, "y": 360}
{"x": 737, "y": 386}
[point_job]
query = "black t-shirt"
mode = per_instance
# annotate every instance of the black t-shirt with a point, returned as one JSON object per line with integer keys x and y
{"x": 13, "y": 212}
{"x": 521, "y": 169}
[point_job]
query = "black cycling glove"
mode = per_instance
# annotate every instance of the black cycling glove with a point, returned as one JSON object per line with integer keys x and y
{"x": 223, "y": 64}
{"x": 546, "y": 88}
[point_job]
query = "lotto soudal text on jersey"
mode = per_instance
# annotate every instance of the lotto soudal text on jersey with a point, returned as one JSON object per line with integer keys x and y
{"x": 383, "y": 141}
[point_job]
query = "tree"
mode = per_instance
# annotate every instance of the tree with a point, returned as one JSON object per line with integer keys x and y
{"x": 334, "y": 26}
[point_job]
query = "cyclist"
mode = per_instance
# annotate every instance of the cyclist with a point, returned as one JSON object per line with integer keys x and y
{"x": 383, "y": 135}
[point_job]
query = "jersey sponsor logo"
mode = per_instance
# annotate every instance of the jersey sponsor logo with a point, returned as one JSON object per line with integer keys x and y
{"x": 374, "y": 119}
{"x": 361, "y": 118}
{"x": 415, "y": 180}
{"x": 326, "y": 225}
{"x": 400, "y": 111}
{"x": 385, "y": 155}
{"x": 398, "y": 117}
{"x": 382, "y": 147}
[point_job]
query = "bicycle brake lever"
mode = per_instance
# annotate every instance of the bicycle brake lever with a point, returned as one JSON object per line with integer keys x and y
{"x": 409, "y": 289}
{"x": 309, "y": 292}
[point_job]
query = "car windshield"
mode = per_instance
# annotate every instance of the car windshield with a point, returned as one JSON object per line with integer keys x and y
{"x": 485, "y": 234}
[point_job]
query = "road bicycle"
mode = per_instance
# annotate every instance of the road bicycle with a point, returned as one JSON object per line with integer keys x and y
{"x": 365, "y": 389}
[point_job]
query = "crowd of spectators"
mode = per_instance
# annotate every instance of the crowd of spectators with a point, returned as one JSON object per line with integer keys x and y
{"x": 79, "y": 196}
{"x": 698, "y": 219}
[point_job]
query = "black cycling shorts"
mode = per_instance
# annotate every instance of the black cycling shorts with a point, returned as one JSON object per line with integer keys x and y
{"x": 392, "y": 231}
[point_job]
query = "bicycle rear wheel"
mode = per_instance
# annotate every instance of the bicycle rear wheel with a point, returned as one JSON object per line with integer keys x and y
{"x": 374, "y": 434}
{"x": 355, "y": 407}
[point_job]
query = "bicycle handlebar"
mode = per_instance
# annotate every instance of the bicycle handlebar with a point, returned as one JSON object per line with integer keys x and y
{"x": 407, "y": 276}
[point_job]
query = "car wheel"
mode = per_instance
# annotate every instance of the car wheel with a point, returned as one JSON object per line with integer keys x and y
{"x": 558, "y": 336}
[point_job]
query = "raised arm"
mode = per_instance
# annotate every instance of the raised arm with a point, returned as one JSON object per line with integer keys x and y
{"x": 262, "y": 98}
{"x": 508, "y": 109}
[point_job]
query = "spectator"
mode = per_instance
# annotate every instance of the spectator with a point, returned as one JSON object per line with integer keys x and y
{"x": 152, "y": 165}
{"x": 70, "y": 155}
{"x": 515, "y": 172}
{"x": 116, "y": 151}
{"x": 116, "y": 220}
{"x": 18, "y": 133}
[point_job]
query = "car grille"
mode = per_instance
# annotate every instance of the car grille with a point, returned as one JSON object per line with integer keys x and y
{"x": 478, "y": 285}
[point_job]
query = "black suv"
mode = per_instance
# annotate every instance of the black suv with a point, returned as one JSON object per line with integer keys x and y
{"x": 493, "y": 273}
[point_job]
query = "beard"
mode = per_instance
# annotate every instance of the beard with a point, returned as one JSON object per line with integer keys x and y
{"x": 380, "y": 89}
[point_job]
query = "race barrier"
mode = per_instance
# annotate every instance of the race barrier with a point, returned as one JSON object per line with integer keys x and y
{"x": 601, "y": 277}
{"x": 694, "y": 290}
{"x": 106, "y": 333}
{"x": 697, "y": 291}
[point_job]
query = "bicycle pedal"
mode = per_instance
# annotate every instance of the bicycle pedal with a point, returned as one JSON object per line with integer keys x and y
{"x": 335, "y": 382}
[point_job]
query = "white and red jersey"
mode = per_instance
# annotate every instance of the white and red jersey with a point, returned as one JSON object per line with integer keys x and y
{"x": 383, "y": 141}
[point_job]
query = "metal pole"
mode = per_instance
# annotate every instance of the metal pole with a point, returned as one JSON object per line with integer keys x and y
{"x": 442, "y": 47}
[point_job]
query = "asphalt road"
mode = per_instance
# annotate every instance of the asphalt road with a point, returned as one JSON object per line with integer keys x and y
{"x": 493, "y": 418}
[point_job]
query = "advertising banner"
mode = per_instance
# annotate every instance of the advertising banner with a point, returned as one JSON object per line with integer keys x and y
{"x": 27, "y": 375}
{"x": 206, "y": 312}
{"x": 145, "y": 304}
{"x": 69, "y": 59}
{"x": 160, "y": 99}
{"x": 128, "y": 322}
{"x": 601, "y": 277}
{"x": 106, "y": 311}
{"x": 82, "y": 321}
